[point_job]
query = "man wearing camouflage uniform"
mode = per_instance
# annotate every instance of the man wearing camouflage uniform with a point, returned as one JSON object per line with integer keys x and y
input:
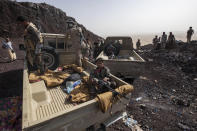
{"x": 33, "y": 44}
{"x": 163, "y": 40}
{"x": 190, "y": 32}
{"x": 101, "y": 73}
{"x": 75, "y": 37}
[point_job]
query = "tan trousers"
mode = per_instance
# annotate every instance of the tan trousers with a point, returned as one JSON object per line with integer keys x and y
{"x": 79, "y": 58}
{"x": 189, "y": 39}
{"x": 11, "y": 55}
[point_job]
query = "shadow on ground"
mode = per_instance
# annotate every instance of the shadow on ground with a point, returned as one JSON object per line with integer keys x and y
{"x": 11, "y": 83}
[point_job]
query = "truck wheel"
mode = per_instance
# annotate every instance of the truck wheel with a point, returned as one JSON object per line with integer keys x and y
{"x": 50, "y": 58}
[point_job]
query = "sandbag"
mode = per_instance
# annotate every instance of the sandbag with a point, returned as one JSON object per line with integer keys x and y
{"x": 106, "y": 99}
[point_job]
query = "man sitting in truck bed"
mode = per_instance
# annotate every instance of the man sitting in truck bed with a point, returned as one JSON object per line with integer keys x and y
{"x": 111, "y": 51}
{"x": 99, "y": 77}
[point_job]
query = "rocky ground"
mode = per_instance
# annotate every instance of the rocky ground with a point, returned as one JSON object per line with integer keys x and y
{"x": 166, "y": 92}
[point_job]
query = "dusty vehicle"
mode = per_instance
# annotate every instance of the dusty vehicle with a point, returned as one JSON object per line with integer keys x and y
{"x": 126, "y": 62}
{"x": 46, "y": 109}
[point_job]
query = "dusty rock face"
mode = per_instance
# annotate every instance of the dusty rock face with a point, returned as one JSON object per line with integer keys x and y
{"x": 47, "y": 18}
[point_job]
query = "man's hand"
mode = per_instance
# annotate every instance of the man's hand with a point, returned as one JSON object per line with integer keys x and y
{"x": 95, "y": 80}
{"x": 25, "y": 32}
{"x": 106, "y": 79}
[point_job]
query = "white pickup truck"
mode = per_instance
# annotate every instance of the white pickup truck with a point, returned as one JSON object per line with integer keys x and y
{"x": 46, "y": 109}
{"x": 127, "y": 62}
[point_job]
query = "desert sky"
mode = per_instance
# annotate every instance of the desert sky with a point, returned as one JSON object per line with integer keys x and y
{"x": 136, "y": 18}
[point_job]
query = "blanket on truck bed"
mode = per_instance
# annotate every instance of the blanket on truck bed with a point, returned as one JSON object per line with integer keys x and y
{"x": 53, "y": 78}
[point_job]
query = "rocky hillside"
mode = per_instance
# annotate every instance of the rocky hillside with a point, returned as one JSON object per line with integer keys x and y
{"x": 48, "y": 18}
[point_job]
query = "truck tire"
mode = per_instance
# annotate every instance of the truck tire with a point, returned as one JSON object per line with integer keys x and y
{"x": 50, "y": 58}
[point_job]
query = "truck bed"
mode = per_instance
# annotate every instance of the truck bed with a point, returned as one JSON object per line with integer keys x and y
{"x": 128, "y": 63}
{"x": 47, "y": 109}
{"x": 58, "y": 103}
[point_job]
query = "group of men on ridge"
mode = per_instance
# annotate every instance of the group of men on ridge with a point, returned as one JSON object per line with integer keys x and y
{"x": 165, "y": 42}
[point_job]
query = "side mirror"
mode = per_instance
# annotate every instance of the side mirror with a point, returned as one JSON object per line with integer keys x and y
{"x": 21, "y": 47}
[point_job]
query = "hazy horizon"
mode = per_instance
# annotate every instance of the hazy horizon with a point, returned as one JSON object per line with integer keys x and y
{"x": 130, "y": 17}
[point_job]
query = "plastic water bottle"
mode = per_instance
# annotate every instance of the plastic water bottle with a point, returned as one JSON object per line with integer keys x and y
{"x": 131, "y": 122}
{"x": 69, "y": 86}
{"x": 76, "y": 83}
{"x": 138, "y": 99}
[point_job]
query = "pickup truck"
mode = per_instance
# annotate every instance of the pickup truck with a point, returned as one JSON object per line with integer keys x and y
{"x": 126, "y": 62}
{"x": 46, "y": 109}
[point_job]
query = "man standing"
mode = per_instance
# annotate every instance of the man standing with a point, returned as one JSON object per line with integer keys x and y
{"x": 155, "y": 42}
{"x": 138, "y": 44}
{"x": 111, "y": 51}
{"x": 163, "y": 40}
{"x": 96, "y": 49}
{"x": 82, "y": 47}
{"x": 190, "y": 32}
{"x": 75, "y": 37}
{"x": 8, "y": 45}
{"x": 170, "y": 41}
{"x": 33, "y": 44}
{"x": 88, "y": 53}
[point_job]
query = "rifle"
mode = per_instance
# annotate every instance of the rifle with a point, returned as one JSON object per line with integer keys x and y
{"x": 114, "y": 92}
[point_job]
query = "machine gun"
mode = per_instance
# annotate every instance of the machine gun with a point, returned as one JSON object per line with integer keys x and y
{"x": 104, "y": 85}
